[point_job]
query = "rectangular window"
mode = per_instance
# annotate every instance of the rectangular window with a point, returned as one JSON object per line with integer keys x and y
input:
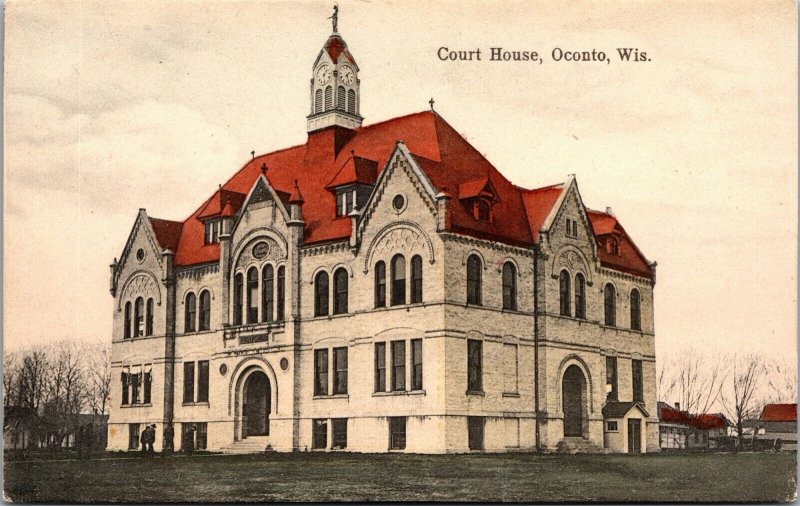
{"x": 148, "y": 383}
{"x": 133, "y": 436}
{"x": 397, "y": 433}
{"x": 611, "y": 378}
{"x": 416, "y": 364}
{"x": 188, "y": 382}
{"x": 510, "y": 368}
{"x": 208, "y": 232}
{"x": 612, "y": 427}
{"x": 475, "y": 432}
{"x": 125, "y": 380}
{"x": 474, "y": 366}
{"x": 339, "y": 433}
{"x": 380, "y": 367}
{"x": 320, "y": 372}
{"x": 136, "y": 382}
{"x": 638, "y": 393}
{"x": 340, "y": 370}
{"x": 201, "y": 435}
{"x": 202, "y": 381}
{"x": 281, "y": 292}
{"x": 320, "y": 437}
{"x": 398, "y": 365}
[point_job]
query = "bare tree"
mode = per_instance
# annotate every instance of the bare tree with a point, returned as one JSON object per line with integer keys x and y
{"x": 98, "y": 383}
{"x": 10, "y": 379}
{"x": 694, "y": 381}
{"x": 739, "y": 395}
{"x": 65, "y": 390}
{"x": 781, "y": 381}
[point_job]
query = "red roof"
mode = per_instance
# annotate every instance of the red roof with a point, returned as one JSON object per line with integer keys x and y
{"x": 168, "y": 233}
{"x": 443, "y": 155}
{"x": 214, "y": 206}
{"x": 629, "y": 259}
{"x": 779, "y": 413}
{"x": 668, "y": 414}
{"x": 336, "y": 46}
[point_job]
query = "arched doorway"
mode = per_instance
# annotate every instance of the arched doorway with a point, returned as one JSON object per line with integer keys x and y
{"x": 256, "y": 404}
{"x": 573, "y": 399}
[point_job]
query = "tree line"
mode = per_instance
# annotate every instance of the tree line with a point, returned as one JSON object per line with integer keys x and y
{"x": 46, "y": 388}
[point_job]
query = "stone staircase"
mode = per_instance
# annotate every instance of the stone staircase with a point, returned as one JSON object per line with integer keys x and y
{"x": 252, "y": 444}
{"x": 578, "y": 445}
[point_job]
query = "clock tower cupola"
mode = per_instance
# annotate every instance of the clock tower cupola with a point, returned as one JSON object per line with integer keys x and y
{"x": 335, "y": 98}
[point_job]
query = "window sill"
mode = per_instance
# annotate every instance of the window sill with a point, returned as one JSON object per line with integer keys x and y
{"x": 398, "y": 393}
{"x": 148, "y": 405}
{"x": 195, "y": 404}
{"x": 332, "y": 316}
{"x": 480, "y": 393}
{"x": 511, "y": 394}
{"x": 332, "y": 396}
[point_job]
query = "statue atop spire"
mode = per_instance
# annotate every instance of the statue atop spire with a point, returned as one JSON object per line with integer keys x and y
{"x": 335, "y": 18}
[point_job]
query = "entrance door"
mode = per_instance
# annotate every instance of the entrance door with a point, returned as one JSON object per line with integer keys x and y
{"x": 634, "y": 435}
{"x": 572, "y": 401}
{"x": 256, "y": 408}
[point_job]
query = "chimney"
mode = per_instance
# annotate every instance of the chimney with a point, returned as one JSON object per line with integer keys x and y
{"x": 609, "y": 211}
{"x": 678, "y": 406}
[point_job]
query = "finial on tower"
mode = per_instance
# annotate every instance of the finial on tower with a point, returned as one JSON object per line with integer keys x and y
{"x": 335, "y": 18}
{"x": 253, "y": 154}
{"x": 264, "y": 169}
{"x": 431, "y": 101}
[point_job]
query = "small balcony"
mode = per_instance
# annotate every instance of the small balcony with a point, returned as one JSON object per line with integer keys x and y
{"x": 263, "y": 334}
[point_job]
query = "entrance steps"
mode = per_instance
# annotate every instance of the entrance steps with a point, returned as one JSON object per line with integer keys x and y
{"x": 252, "y": 444}
{"x": 578, "y": 445}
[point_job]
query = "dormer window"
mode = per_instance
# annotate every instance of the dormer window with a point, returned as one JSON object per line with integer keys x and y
{"x": 213, "y": 228}
{"x": 345, "y": 200}
{"x": 481, "y": 196}
{"x": 612, "y": 246}
{"x": 482, "y": 210}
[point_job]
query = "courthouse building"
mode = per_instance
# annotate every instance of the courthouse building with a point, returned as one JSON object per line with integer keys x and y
{"x": 383, "y": 287}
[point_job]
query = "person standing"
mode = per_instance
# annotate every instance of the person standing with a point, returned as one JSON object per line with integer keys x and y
{"x": 143, "y": 440}
{"x": 189, "y": 440}
{"x": 167, "y": 446}
{"x": 151, "y": 439}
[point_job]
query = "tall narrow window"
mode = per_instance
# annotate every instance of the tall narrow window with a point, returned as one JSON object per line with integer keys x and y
{"x": 188, "y": 382}
{"x": 398, "y": 365}
{"x": 202, "y": 381}
{"x": 398, "y": 280}
{"x": 380, "y": 367}
{"x": 138, "y": 317}
{"x": 340, "y": 291}
{"x": 397, "y": 433}
{"x": 328, "y": 98}
{"x": 563, "y": 291}
{"x": 238, "y": 295}
{"x": 611, "y": 378}
{"x": 320, "y": 372}
{"x": 416, "y": 279}
{"x": 190, "y": 313}
{"x": 482, "y": 210}
{"x": 252, "y": 295}
{"x": 380, "y": 284}
{"x": 125, "y": 380}
{"x": 474, "y": 280}
{"x": 340, "y": 370}
{"x": 340, "y": 94}
{"x": 281, "y": 292}
{"x": 339, "y": 429}
{"x": 610, "y": 304}
{"x": 319, "y": 440}
{"x": 636, "y": 315}
{"x": 205, "y": 310}
{"x": 321, "y": 294}
{"x": 148, "y": 325}
{"x": 416, "y": 364}
{"x": 474, "y": 366}
{"x": 351, "y": 101}
{"x": 509, "y": 286}
{"x": 267, "y": 292}
{"x": 126, "y": 332}
{"x": 148, "y": 383}
{"x": 136, "y": 383}
{"x": 580, "y": 296}
{"x": 636, "y": 370}
{"x": 318, "y": 101}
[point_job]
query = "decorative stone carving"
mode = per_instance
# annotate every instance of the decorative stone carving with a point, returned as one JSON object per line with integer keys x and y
{"x": 140, "y": 284}
{"x": 400, "y": 237}
{"x": 266, "y": 247}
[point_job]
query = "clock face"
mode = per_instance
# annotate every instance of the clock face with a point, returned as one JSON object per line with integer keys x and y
{"x": 323, "y": 75}
{"x": 347, "y": 75}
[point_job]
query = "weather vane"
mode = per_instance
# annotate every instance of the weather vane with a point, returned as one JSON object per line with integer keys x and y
{"x": 335, "y": 18}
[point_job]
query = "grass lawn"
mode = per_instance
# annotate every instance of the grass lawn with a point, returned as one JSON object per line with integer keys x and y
{"x": 761, "y": 477}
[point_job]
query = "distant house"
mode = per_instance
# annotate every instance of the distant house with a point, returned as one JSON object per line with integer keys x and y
{"x": 681, "y": 429}
{"x": 779, "y": 422}
{"x": 24, "y": 429}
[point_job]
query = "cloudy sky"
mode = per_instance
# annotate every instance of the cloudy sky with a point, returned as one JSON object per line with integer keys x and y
{"x": 112, "y": 106}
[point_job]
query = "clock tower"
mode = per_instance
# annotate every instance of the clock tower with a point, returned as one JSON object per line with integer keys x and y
{"x": 335, "y": 99}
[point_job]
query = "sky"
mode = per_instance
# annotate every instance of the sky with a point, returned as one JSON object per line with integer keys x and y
{"x": 115, "y": 105}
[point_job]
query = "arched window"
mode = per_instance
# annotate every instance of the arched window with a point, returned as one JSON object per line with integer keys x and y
{"x": 328, "y": 98}
{"x": 509, "y": 286}
{"x": 321, "y": 294}
{"x": 610, "y": 304}
{"x": 398, "y": 280}
{"x": 340, "y": 291}
{"x": 563, "y": 290}
{"x": 238, "y": 297}
{"x": 281, "y": 292}
{"x": 318, "y": 101}
{"x": 340, "y": 98}
{"x": 252, "y": 295}
{"x": 148, "y": 321}
{"x": 636, "y": 314}
{"x": 190, "y": 312}
{"x": 126, "y": 332}
{"x": 483, "y": 210}
{"x": 351, "y": 101}
{"x": 267, "y": 292}
{"x": 138, "y": 317}
{"x": 205, "y": 310}
{"x": 474, "y": 280}
{"x": 416, "y": 279}
{"x": 380, "y": 284}
{"x": 580, "y": 296}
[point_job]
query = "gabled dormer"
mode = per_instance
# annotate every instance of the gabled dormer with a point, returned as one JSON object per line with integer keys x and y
{"x": 223, "y": 204}
{"x": 480, "y": 196}
{"x": 353, "y": 184}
